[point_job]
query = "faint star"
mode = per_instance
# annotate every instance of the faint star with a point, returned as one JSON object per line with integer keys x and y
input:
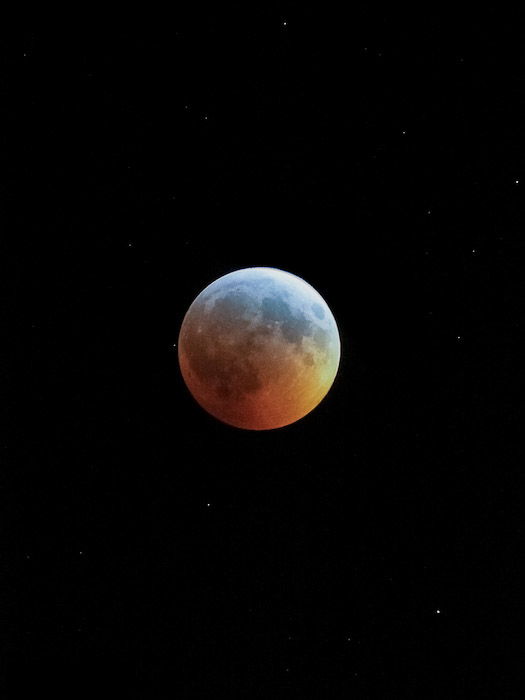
{"x": 516, "y": 182}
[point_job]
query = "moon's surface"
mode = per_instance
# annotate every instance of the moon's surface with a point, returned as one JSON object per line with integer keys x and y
{"x": 259, "y": 348}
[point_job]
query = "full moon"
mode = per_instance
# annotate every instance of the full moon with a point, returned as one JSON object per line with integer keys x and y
{"x": 259, "y": 348}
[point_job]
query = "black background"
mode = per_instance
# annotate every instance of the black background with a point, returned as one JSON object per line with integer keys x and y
{"x": 369, "y": 550}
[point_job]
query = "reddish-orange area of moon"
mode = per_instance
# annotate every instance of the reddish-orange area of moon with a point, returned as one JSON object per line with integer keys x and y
{"x": 252, "y": 351}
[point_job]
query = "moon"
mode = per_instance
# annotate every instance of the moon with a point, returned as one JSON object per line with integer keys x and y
{"x": 259, "y": 348}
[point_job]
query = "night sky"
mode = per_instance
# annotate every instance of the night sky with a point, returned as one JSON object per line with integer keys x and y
{"x": 369, "y": 550}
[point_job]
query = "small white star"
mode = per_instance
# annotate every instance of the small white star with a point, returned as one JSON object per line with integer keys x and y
{"x": 516, "y": 182}
{"x": 438, "y": 611}
{"x": 404, "y": 132}
{"x": 208, "y": 505}
{"x": 284, "y": 23}
{"x": 429, "y": 211}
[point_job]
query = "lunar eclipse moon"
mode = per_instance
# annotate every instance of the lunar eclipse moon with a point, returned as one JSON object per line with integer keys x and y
{"x": 259, "y": 348}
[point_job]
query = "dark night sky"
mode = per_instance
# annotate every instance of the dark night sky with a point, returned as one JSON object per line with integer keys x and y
{"x": 371, "y": 549}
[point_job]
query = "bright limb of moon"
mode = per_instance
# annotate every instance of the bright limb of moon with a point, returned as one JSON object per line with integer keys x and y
{"x": 259, "y": 348}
